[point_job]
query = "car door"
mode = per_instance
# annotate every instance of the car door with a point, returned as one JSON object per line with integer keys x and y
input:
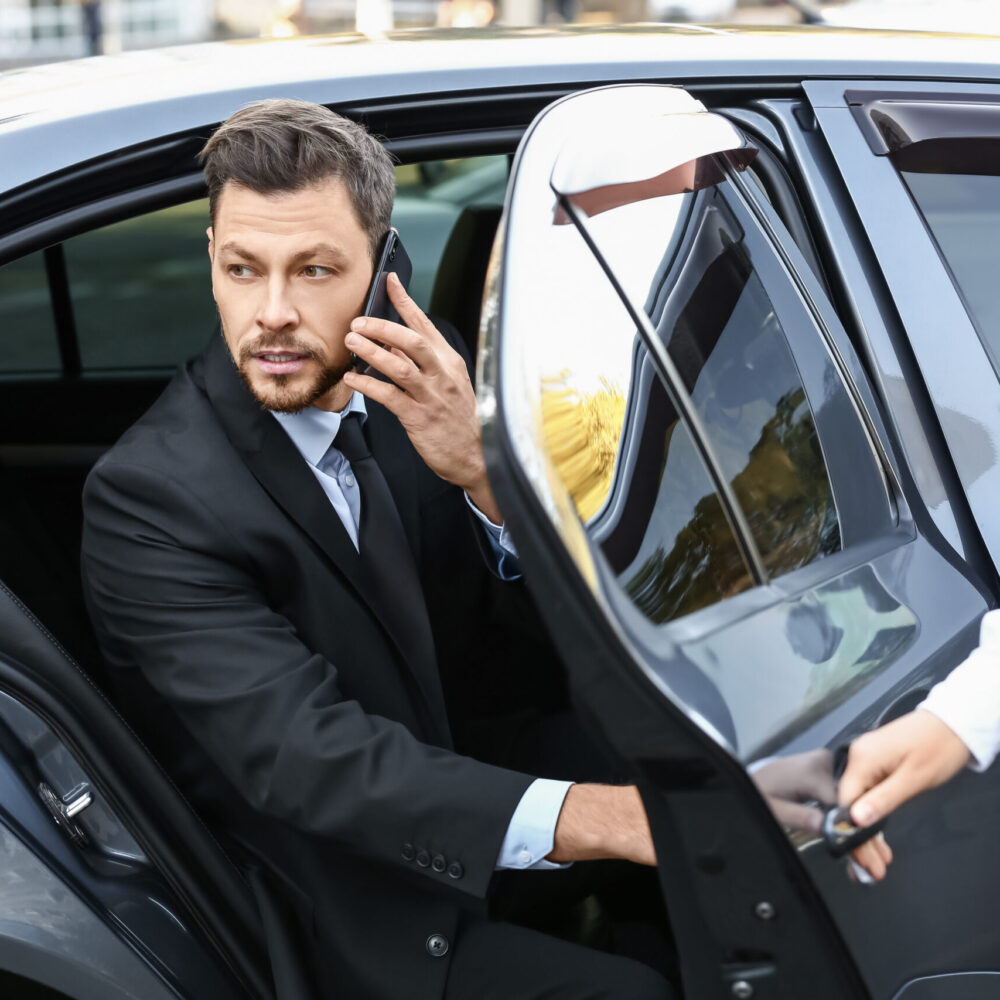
{"x": 740, "y": 570}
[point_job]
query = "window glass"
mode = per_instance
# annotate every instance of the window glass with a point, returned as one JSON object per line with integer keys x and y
{"x": 430, "y": 197}
{"x": 684, "y": 259}
{"x": 27, "y": 325}
{"x": 962, "y": 212}
{"x": 142, "y": 289}
{"x": 606, "y": 428}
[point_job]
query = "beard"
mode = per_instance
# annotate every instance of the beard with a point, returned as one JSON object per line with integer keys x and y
{"x": 287, "y": 393}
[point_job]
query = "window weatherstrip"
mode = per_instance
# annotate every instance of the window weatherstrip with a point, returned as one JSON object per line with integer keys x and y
{"x": 62, "y": 308}
{"x": 684, "y": 405}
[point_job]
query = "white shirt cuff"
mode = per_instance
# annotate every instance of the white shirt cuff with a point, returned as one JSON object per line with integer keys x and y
{"x": 503, "y": 544}
{"x": 532, "y": 829}
{"x": 968, "y": 699}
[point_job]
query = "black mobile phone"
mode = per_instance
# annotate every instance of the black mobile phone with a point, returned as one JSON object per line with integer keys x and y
{"x": 392, "y": 257}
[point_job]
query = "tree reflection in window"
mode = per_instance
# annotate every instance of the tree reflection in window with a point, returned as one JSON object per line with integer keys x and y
{"x": 669, "y": 541}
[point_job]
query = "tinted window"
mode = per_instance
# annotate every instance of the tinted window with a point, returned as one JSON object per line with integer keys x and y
{"x": 27, "y": 325}
{"x": 430, "y": 197}
{"x": 962, "y": 212}
{"x": 684, "y": 258}
{"x": 608, "y": 431}
{"x": 141, "y": 289}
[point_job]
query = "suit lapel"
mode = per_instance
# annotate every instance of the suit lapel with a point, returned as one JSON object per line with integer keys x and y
{"x": 276, "y": 464}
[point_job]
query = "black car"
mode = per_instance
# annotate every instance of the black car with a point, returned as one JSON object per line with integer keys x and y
{"x": 734, "y": 301}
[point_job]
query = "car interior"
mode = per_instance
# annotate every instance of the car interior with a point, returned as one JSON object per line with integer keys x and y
{"x": 104, "y": 312}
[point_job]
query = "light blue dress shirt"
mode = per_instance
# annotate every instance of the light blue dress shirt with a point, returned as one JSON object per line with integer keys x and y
{"x": 531, "y": 831}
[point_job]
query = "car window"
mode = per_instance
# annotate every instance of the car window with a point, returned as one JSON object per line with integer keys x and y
{"x": 430, "y": 198}
{"x": 684, "y": 259}
{"x": 962, "y": 212}
{"x": 28, "y": 341}
{"x": 140, "y": 289}
{"x": 607, "y": 426}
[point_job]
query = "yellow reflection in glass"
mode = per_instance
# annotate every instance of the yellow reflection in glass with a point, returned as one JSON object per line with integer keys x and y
{"x": 582, "y": 431}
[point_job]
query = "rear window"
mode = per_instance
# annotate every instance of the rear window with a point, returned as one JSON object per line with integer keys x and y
{"x": 962, "y": 212}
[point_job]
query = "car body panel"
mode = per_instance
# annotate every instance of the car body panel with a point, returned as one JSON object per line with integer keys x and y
{"x": 60, "y": 115}
{"x": 904, "y": 603}
{"x": 853, "y": 639}
{"x": 47, "y": 935}
{"x": 955, "y": 367}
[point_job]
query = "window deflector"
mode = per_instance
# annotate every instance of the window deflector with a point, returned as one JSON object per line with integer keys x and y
{"x": 674, "y": 154}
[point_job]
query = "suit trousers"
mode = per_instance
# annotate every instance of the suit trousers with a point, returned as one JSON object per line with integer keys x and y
{"x": 499, "y": 961}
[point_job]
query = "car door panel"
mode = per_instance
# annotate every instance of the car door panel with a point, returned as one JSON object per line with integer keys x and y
{"x": 953, "y": 363}
{"x": 806, "y": 658}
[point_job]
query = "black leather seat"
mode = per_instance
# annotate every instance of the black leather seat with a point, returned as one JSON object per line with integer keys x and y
{"x": 458, "y": 287}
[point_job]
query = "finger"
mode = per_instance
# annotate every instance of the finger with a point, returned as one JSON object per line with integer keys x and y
{"x": 886, "y": 796}
{"x": 818, "y": 781}
{"x": 864, "y": 770}
{"x": 796, "y": 815}
{"x": 394, "y": 365}
{"x": 418, "y": 346}
{"x": 413, "y": 316}
{"x": 871, "y": 859}
{"x": 390, "y": 396}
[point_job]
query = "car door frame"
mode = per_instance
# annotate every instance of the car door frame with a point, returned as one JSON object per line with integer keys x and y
{"x": 608, "y": 674}
{"x": 921, "y": 288}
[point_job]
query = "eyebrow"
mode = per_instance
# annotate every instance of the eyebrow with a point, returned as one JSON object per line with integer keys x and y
{"x": 328, "y": 250}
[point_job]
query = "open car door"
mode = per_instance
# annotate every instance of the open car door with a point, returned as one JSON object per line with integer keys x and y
{"x": 739, "y": 574}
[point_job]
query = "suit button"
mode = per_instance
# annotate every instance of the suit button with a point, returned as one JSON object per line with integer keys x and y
{"x": 409, "y": 852}
{"x": 423, "y": 859}
{"x": 438, "y": 863}
{"x": 455, "y": 870}
{"x": 437, "y": 946}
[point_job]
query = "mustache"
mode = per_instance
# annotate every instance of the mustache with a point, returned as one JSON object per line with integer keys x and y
{"x": 283, "y": 342}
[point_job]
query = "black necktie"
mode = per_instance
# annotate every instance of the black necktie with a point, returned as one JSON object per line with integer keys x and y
{"x": 387, "y": 566}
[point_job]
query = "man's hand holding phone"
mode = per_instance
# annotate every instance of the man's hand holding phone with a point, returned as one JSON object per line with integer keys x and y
{"x": 430, "y": 392}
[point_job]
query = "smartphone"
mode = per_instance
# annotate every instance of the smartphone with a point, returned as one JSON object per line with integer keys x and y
{"x": 392, "y": 257}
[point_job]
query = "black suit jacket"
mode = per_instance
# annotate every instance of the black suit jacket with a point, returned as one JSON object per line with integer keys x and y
{"x": 230, "y": 604}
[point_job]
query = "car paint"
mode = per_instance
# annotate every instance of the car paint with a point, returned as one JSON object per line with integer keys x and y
{"x": 52, "y": 119}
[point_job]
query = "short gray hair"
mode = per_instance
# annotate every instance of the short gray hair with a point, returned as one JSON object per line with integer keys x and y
{"x": 285, "y": 145}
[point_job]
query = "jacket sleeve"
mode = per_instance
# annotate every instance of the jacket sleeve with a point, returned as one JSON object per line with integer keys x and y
{"x": 173, "y": 593}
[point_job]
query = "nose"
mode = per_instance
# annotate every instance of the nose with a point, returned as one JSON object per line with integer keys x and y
{"x": 276, "y": 311}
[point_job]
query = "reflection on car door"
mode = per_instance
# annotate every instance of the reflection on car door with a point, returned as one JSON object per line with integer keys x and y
{"x": 686, "y": 441}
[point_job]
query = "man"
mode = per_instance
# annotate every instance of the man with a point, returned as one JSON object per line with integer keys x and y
{"x": 279, "y": 556}
{"x": 957, "y": 725}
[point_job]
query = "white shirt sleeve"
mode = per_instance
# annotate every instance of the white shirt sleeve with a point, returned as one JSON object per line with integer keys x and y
{"x": 508, "y": 567}
{"x": 532, "y": 828}
{"x": 968, "y": 699}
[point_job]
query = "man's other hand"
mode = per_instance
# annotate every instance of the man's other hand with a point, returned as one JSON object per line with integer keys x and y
{"x": 890, "y": 765}
{"x": 430, "y": 393}
{"x": 603, "y": 821}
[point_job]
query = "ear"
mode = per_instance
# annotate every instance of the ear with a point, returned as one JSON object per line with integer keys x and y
{"x": 211, "y": 244}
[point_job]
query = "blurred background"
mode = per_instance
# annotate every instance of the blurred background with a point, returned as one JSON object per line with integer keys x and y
{"x": 38, "y": 31}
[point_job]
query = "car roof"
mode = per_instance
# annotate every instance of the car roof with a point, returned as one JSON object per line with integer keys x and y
{"x": 57, "y": 115}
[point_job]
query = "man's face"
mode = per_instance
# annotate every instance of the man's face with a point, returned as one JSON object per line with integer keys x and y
{"x": 289, "y": 273}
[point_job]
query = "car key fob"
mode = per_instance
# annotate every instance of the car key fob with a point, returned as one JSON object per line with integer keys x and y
{"x": 840, "y": 834}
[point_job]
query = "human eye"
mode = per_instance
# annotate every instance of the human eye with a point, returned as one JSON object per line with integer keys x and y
{"x": 239, "y": 271}
{"x": 316, "y": 271}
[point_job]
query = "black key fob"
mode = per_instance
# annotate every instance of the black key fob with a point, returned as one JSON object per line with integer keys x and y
{"x": 841, "y": 836}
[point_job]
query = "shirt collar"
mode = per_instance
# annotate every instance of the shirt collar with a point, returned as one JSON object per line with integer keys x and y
{"x": 312, "y": 430}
